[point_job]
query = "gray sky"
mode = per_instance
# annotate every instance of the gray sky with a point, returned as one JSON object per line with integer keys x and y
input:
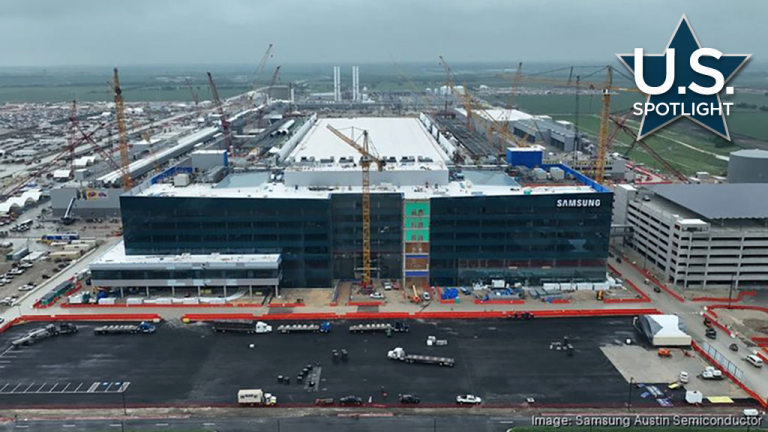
{"x": 159, "y": 32}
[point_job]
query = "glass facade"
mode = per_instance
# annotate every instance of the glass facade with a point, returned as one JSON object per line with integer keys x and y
{"x": 524, "y": 238}
{"x": 298, "y": 229}
{"x": 184, "y": 274}
{"x": 386, "y": 235}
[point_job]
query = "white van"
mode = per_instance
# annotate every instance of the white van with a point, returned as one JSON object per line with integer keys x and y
{"x": 754, "y": 360}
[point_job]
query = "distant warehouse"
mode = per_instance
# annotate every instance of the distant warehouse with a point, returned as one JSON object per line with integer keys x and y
{"x": 430, "y": 223}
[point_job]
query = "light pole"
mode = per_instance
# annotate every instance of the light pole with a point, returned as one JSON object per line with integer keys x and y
{"x": 730, "y": 291}
{"x": 125, "y": 408}
{"x": 629, "y": 395}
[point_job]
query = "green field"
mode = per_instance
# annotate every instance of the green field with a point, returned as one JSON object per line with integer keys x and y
{"x": 687, "y": 160}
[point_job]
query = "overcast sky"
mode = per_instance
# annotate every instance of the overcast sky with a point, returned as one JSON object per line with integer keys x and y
{"x": 165, "y": 32}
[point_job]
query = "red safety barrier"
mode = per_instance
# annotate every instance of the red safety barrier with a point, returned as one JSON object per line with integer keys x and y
{"x": 8, "y": 324}
{"x": 439, "y": 296}
{"x": 286, "y": 305}
{"x": 152, "y": 305}
{"x": 739, "y": 307}
{"x": 365, "y": 303}
{"x": 592, "y": 312}
{"x": 333, "y": 304}
{"x": 717, "y": 323}
{"x": 762, "y": 342}
{"x": 560, "y": 301}
{"x": 658, "y": 283}
{"x": 91, "y": 317}
{"x": 763, "y": 356}
{"x": 738, "y": 298}
{"x": 643, "y": 297}
{"x": 515, "y": 301}
{"x": 299, "y": 317}
{"x": 216, "y": 317}
{"x": 376, "y": 316}
{"x": 729, "y": 375}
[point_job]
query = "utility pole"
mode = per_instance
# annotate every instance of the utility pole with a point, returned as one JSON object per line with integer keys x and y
{"x": 629, "y": 395}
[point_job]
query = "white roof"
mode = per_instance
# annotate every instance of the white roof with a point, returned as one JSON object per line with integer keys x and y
{"x": 61, "y": 173}
{"x": 27, "y": 198}
{"x": 116, "y": 258}
{"x": 391, "y": 137}
{"x": 498, "y": 114}
{"x": 280, "y": 190}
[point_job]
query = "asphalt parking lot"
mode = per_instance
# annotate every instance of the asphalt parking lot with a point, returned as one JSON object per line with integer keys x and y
{"x": 503, "y": 361}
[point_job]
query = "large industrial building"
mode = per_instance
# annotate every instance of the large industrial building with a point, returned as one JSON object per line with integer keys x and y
{"x": 699, "y": 236}
{"x": 301, "y": 225}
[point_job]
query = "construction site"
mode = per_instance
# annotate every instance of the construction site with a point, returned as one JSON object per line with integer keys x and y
{"x": 500, "y": 255}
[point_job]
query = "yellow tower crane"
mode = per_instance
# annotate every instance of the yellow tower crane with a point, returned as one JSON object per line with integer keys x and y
{"x": 368, "y": 157}
{"x": 122, "y": 133}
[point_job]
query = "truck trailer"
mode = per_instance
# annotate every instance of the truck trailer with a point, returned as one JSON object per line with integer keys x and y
{"x": 48, "y": 331}
{"x": 242, "y": 326}
{"x": 397, "y": 327}
{"x": 143, "y": 327}
{"x": 305, "y": 328}
{"x": 399, "y": 354}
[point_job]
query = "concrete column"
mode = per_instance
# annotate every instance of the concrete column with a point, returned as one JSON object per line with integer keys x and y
{"x": 122, "y": 292}
{"x": 173, "y": 291}
{"x": 250, "y": 290}
{"x": 147, "y": 288}
{"x": 277, "y": 293}
{"x": 225, "y": 290}
{"x": 198, "y": 291}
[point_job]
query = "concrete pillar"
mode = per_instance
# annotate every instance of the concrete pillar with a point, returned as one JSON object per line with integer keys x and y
{"x": 147, "y": 288}
{"x": 173, "y": 291}
{"x": 277, "y": 292}
{"x": 250, "y": 290}
{"x": 198, "y": 291}
{"x": 225, "y": 290}
{"x": 122, "y": 292}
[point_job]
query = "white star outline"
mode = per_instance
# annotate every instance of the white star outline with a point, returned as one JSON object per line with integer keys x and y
{"x": 720, "y": 104}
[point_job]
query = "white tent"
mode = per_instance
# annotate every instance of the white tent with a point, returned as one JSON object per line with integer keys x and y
{"x": 663, "y": 330}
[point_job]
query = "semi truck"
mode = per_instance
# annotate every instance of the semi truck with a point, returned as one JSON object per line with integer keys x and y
{"x": 399, "y": 354}
{"x": 397, "y": 327}
{"x": 256, "y": 397}
{"x": 143, "y": 327}
{"x": 50, "y": 330}
{"x": 242, "y": 326}
{"x": 324, "y": 327}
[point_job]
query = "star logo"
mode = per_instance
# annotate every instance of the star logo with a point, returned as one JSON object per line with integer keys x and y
{"x": 693, "y": 89}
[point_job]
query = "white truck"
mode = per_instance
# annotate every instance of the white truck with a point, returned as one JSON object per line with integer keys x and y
{"x": 255, "y": 397}
{"x": 711, "y": 373}
{"x": 399, "y": 354}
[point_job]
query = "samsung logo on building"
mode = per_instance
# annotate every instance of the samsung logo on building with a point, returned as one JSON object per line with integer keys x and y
{"x": 578, "y": 202}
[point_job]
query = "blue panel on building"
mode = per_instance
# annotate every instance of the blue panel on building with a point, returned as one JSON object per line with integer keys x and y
{"x": 524, "y": 156}
{"x": 416, "y": 273}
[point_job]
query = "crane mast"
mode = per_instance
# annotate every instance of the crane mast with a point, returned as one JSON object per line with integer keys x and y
{"x": 222, "y": 114}
{"x": 365, "y": 163}
{"x": 122, "y": 133}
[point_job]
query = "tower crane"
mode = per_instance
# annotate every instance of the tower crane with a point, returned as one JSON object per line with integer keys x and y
{"x": 223, "y": 115}
{"x": 606, "y": 88}
{"x": 368, "y": 157}
{"x": 194, "y": 96}
{"x": 123, "y": 134}
{"x": 448, "y": 87}
{"x": 256, "y": 79}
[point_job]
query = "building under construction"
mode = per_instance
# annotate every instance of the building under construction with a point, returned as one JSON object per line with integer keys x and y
{"x": 304, "y": 223}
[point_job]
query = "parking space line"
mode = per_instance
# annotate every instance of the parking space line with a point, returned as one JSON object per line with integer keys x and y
{"x": 78, "y": 387}
{"x": 93, "y": 387}
{"x": 3, "y": 389}
{"x": 115, "y": 425}
{"x": 14, "y": 389}
{"x": 52, "y": 388}
{"x": 65, "y": 388}
{"x": 5, "y": 361}
{"x": 68, "y": 425}
{"x": 41, "y": 387}
{"x": 124, "y": 387}
{"x": 108, "y": 387}
{"x": 30, "y": 386}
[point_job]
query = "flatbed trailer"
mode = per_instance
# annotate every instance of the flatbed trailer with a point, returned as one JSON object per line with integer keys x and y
{"x": 241, "y": 326}
{"x": 304, "y": 328}
{"x": 144, "y": 327}
{"x": 399, "y": 354}
{"x": 397, "y": 327}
